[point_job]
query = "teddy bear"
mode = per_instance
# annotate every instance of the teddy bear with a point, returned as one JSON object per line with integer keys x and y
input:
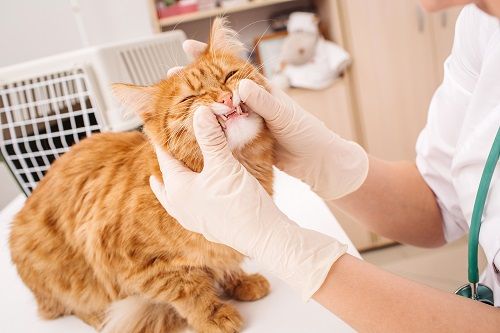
{"x": 307, "y": 60}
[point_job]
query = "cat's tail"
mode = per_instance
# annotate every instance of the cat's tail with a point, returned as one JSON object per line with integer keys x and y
{"x": 135, "y": 314}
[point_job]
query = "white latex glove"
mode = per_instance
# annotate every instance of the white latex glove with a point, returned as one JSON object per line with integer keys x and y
{"x": 306, "y": 148}
{"x": 228, "y": 205}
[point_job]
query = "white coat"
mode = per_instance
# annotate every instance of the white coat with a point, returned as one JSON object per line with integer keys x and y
{"x": 463, "y": 119}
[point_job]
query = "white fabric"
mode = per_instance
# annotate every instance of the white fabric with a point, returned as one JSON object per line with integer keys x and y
{"x": 302, "y": 21}
{"x": 328, "y": 62}
{"x": 463, "y": 119}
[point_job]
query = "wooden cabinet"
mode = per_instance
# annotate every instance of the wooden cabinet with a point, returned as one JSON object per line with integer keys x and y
{"x": 331, "y": 105}
{"x": 443, "y": 25}
{"x": 398, "y": 52}
{"x": 393, "y": 72}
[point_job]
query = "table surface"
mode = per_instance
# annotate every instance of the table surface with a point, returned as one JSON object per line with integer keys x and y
{"x": 281, "y": 311}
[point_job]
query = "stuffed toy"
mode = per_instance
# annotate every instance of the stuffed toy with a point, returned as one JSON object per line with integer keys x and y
{"x": 307, "y": 60}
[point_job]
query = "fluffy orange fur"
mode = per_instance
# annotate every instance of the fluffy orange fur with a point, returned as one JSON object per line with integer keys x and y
{"x": 92, "y": 240}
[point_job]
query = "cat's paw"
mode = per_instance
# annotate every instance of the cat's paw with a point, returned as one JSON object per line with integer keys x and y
{"x": 49, "y": 309}
{"x": 251, "y": 288}
{"x": 224, "y": 318}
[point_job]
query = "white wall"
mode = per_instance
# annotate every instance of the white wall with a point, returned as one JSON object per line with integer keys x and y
{"x": 36, "y": 28}
{"x": 115, "y": 20}
{"x": 31, "y": 29}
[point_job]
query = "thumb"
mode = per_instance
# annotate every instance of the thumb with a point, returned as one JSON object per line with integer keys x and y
{"x": 170, "y": 167}
{"x": 159, "y": 191}
{"x": 210, "y": 137}
{"x": 260, "y": 101}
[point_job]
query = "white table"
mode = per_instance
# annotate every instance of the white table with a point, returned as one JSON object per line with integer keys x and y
{"x": 281, "y": 311}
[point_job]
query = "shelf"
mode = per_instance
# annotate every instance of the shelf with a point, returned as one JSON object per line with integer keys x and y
{"x": 188, "y": 17}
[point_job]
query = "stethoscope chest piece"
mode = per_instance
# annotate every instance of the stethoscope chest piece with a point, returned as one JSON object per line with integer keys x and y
{"x": 476, "y": 291}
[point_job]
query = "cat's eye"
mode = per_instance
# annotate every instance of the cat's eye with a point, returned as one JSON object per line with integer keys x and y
{"x": 187, "y": 98}
{"x": 228, "y": 76}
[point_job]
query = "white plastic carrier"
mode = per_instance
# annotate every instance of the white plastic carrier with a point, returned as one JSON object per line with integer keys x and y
{"x": 49, "y": 104}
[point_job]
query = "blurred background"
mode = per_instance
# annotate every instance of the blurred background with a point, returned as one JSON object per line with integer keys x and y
{"x": 384, "y": 58}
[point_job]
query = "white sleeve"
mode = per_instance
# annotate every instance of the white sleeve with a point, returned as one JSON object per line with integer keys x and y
{"x": 437, "y": 141}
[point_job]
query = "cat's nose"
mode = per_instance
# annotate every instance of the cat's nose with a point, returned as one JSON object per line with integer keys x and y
{"x": 226, "y": 99}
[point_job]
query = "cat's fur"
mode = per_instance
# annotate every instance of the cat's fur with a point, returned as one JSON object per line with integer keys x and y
{"x": 92, "y": 240}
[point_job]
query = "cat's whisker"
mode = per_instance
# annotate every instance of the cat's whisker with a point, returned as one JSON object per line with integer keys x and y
{"x": 250, "y": 24}
{"x": 257, "y": 43}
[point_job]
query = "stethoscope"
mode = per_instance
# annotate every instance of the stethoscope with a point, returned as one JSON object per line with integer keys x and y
{"x": 475, "y": 290}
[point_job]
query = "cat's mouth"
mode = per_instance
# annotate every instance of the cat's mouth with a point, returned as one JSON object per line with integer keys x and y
{"x": 236, "y": 112}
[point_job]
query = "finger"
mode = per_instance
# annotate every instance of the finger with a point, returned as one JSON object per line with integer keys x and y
{"x": 259, "y": 100}
{"x": 174, "y": 70}
{"x": 159, "y": 191}
{"x": 193, "y": 48}
{"x": 168, "y": 164}
{"x": 157, "y": 188}
{"x": 210, "y": 137}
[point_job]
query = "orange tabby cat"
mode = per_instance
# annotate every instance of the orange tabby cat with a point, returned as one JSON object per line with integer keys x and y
{"x": 93, "y": 241}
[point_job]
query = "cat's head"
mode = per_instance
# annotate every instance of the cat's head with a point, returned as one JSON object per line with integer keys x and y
{"x": 212, "y": 79}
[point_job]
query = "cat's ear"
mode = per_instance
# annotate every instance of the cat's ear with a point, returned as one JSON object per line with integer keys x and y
{"x": 136, "y": 99}
{"x": 223, "y": 38}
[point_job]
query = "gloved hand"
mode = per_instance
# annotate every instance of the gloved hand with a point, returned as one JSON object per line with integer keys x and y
{"x": 228, "y": 205}
{"x": 306, "y": 148}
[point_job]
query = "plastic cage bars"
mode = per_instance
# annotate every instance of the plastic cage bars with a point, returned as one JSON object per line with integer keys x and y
{"x": 50, "y": 104}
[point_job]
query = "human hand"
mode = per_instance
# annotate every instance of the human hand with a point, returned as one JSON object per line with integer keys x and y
{"x": 227, "y": 205}
{"x": 305, "y": 148}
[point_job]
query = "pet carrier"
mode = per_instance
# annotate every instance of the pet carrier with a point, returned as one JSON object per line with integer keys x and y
{"x": 48, "y": 105}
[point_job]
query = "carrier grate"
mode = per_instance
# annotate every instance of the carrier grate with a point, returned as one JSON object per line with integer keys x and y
{"x": 149, "y": 63}
{"x": 41, "y": 118}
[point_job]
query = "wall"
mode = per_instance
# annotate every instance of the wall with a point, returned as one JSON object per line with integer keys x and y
{"x": 32, "y": 29}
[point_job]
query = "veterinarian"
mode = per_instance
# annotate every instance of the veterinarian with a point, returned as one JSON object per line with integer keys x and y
{"x": 424, "y": 203}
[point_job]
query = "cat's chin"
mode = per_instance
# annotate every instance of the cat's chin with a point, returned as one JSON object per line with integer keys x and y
{"x": 241, "y": 130}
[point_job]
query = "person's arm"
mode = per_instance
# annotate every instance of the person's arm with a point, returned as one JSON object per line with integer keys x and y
{"x": 232, "y": 208}
{"x": 372, "y": 300}
{"x": 393, "y": 199}
{"x": 390, "y": 198}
